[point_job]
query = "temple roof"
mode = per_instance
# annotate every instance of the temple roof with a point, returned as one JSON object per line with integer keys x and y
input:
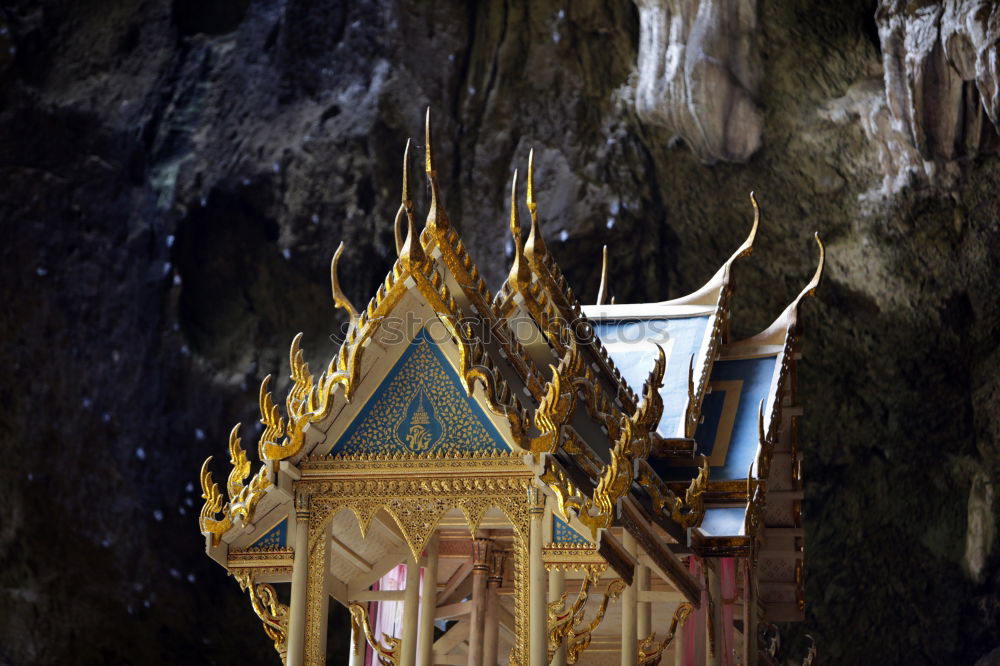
{"x": 603, "y": 406}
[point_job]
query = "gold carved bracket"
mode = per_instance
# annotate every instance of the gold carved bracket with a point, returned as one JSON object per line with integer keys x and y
{"x": 651, "y": 651}
{"x": 272, "y": 613}
{"x": 388, "y": 654}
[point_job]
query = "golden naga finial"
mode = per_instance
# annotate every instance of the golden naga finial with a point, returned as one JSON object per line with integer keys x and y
{"x": 340, "y": 299}
{"x": 519, "y": 271}
{"x": 534, "y": 248}
{"x": 238, "y": 459}
{"x": 243, "y": 497}
{"x": 690, "y": 511}
{"x": 647, "y": 415}
{"x": 604, "y": 289}
{"x": 436, "y": 217}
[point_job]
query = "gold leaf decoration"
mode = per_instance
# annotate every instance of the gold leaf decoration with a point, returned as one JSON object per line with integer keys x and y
{"x": 388, "y": 654}
{"x": 651, "y": 651}
{"x": 691, "y": 511}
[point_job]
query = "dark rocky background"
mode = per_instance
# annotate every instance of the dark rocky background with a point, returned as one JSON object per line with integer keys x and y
{"x": 176, "y": 175}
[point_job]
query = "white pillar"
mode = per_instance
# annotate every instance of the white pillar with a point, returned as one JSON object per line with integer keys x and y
{"x": 537, "y": 609}
{"x": 492, "y": 630}
{"x": 480, "y": 569}
{"x": 630, "y": 646}
{"x": 644, "y": 620}
{"x": 411, "y": 613}
{"x": 678, "y": 644}
{"x": 557, "y": 585}
{"x": 300, "y": 567}
{"x": 428, "y": 603}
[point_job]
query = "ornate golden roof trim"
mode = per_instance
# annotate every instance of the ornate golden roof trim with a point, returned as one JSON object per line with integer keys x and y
{"x": 243, "y": 499}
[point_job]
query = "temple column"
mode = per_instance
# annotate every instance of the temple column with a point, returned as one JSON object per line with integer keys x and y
{"x": 537, "y": 609}
{"x": 411, "y": 614}
{"x": 357, "y": 657}
{"x": 630, "y": 646}
{"x": 315, "y": 545}
{"x": 644, "y": 619}
{"x": 713, "y": 632}
{"x": 492, "y": 631}
{"x": 557, "y": 585}
{"x": 300, "y": 566}
{"x": 477, "y": 618}
{"x": 428, "y": 603}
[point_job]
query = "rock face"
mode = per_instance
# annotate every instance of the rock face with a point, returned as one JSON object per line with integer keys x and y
{"x": 177, "y": 176}
{"x": 941, "y": 87}
{"x": 698, "y": 68}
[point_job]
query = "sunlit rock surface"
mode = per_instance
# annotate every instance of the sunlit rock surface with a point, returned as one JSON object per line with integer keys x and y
{"x": 176, "y": 177}
{"x": 698, "y": 68}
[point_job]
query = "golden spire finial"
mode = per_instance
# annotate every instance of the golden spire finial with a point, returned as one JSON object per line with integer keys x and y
{"x": 406, "y": 205}
{"x": 436, "y": 217}
{"x": 411, "y": 250}
{"x": 340, "y": 300}
{"x": 519, "y": 269}
{"x": 429, "y": 164}
{"x": 604, "y": 289}
{"x": 535, "y": 245}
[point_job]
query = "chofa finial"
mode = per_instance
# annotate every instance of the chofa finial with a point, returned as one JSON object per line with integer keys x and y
{"x": 604, "y": 289}
{"x": 534, "y": 248}
{"x": 410, "y": 249}
{"x": 519, "y": 269}
{"x": 406, "y": 204}
{"x": 436, "y": 217}
{"x": 340, "y": 299}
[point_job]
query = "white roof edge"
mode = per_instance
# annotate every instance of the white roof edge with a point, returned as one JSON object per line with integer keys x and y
{"x": 646, "y": 311}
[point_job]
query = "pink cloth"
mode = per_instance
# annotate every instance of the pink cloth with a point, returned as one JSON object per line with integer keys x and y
{"x": 727, "y": 580}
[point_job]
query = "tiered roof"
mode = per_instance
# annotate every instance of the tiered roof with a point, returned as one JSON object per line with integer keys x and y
{"x": 644, "y": 417}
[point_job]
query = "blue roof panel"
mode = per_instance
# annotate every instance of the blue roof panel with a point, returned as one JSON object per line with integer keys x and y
{"x": 630, "y": 343}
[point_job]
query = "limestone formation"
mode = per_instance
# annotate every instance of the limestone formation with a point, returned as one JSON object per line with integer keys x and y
{"x": 698, "y": 71}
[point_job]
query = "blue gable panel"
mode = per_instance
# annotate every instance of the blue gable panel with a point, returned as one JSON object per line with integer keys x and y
{"x": 563, "y": 534}
{"x": 635, "y": 358}
{"x": 421, "y": 408}
{"x": 708, "y": 429}
{"x": 754, "y": 377}
{"x": 276, "y": 537}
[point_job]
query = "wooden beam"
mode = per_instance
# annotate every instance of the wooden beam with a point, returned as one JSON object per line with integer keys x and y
{"x": 362, "y": 582}
{"x": 379, "y": 595}
{"x": 661, "y": 596}
{"x": 452, "y": 638}
{"x": 453, "y": 611}
{"x": 457, "y": 578}
{"x": 348, "y": 554}
{"x": 390, "y": 531}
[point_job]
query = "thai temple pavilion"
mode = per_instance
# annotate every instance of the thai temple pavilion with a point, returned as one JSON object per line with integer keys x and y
{"x": 518, "y": 478}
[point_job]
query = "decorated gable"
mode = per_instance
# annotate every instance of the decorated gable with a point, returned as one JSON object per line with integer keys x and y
{"x": 421, "y": 408}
